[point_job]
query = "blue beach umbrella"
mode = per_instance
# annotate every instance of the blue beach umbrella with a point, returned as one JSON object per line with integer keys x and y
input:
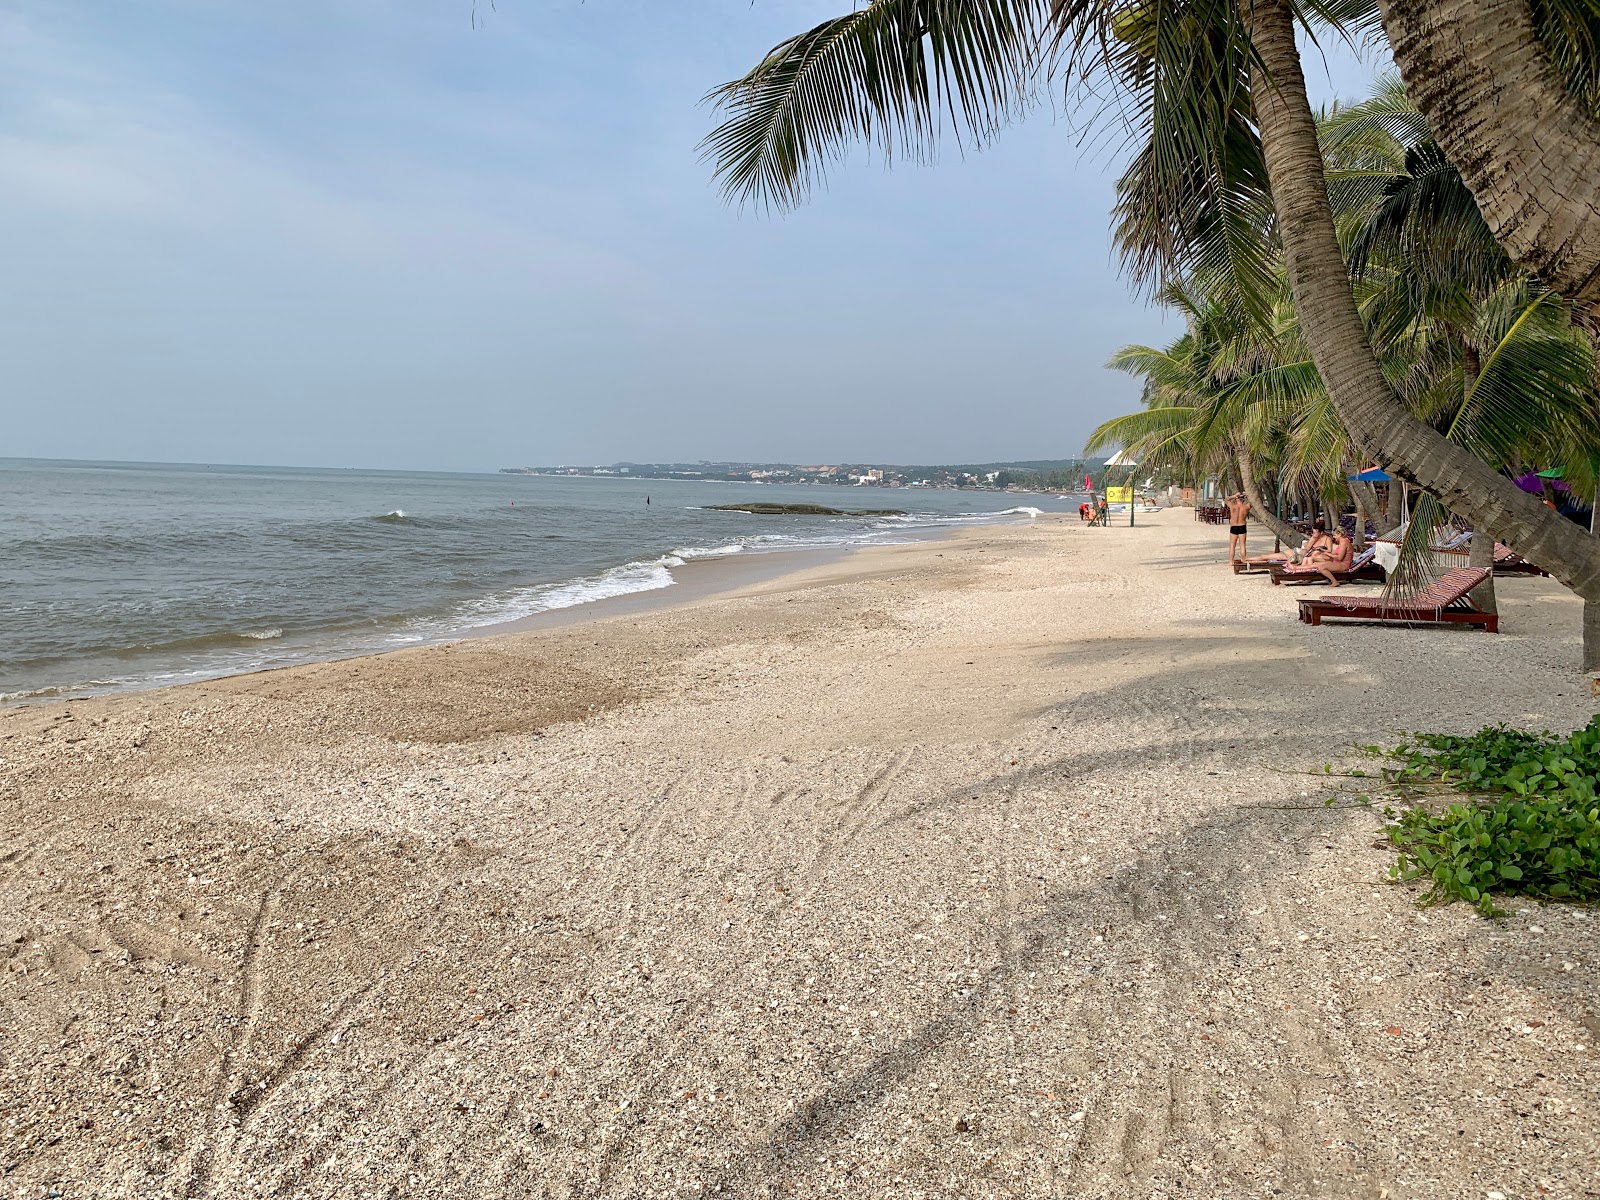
{"x": 1370, "y": 475}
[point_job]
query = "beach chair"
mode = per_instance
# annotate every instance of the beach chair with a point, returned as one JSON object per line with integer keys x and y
{"x": 1444, "y": 601}
{"x": 1506, "y": 562}
{"x": 1363, "y": 569}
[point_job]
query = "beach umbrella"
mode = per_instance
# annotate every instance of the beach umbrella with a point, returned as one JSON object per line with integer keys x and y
{"x": 1370, "y": 475}
{"x": 1533, "y": 481}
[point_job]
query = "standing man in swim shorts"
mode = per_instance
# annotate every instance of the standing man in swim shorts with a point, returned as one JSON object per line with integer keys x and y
{"x": 1238, "y": 526}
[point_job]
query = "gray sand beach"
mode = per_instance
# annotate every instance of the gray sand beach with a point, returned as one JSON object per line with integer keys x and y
{"x": 986, "y": 867}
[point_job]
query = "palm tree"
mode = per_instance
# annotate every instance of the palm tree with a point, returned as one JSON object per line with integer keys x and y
{"x": 1476, "y": 347}
{"x": 1221, "y": 95}
{"x": 1511, "y": 88}
{"x": 1232, "y": 396}
{"x": 1320, "y": 284}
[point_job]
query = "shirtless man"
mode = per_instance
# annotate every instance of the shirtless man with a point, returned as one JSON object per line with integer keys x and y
{"x": 1238, "y": 527}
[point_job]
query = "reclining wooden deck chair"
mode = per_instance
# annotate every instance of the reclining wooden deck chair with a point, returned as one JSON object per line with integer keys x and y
{"x": 1442, "y": 601}
{"x": 1508, "y": 562}
{"x": 1363, "y": 569}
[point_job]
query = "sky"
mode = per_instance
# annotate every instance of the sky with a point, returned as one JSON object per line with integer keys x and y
{"x": 411, "y": 234}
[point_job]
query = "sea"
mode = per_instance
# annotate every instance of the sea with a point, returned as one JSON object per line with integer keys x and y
{"x": 118, "y": 576}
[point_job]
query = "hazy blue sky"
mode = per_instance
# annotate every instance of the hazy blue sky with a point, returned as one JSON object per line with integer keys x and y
{"x": 366, "y": 233}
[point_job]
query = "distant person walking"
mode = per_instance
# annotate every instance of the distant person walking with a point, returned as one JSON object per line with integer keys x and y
{"x": 1238, "y": 527}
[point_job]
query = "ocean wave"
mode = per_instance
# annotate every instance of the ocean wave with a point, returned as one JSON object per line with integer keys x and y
{"x": 549, "y": 597}
{"x": 619, "y": 581}
{"x": 59, "y": 691}
{"x": 396, "y": 517}
{"x": 688, "y": 552}
{"x": 1024, "y": 510}
{"x": 261, "y": 635}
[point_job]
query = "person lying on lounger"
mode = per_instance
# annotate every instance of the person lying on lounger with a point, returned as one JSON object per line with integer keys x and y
{"x": 1316, "y": 543}
{"x": 1330, "y": 560}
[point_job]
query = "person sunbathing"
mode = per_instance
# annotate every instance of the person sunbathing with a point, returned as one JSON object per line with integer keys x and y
{"x": 1331, "y": 560}
{"x": 1316, "y": 543}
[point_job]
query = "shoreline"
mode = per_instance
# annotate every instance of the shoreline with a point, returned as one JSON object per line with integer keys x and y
{"x": 991, "y": 866}
{"x": 694, "y": 581}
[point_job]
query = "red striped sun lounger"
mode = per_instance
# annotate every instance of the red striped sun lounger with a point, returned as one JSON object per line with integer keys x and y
{"x": 1362, "y": 569}
{"x": 1444, "y": 601}
{"x": 1506, "y": 562}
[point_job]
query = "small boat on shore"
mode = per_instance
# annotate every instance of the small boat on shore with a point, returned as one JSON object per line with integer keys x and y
{"x": 1140, "y": 509}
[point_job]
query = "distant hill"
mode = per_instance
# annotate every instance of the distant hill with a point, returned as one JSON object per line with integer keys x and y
{"x": 1044, "y": 474}
{"x": 1042, "y": 465}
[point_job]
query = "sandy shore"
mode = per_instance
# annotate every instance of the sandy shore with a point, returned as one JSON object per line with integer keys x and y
{"x": 964, "y": 869}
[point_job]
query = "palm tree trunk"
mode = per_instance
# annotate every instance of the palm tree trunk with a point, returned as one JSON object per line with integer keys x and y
{"x": 1252, "y": 491}
{"x": 1320, "y": 285}
{"x": 1482, "y": 544}
{"x": 1358, "y": 539}
{"x": 1529, "y": 152}
{"x": 1482, "y": 555}
{"x": 1366, "y": 498}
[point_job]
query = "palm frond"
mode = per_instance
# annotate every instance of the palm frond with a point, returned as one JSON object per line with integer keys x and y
{"x": 1194, "y": 197}
{"x": 1535, "y": 386}
{"x": 1143, "y": 430}
{"x": 891, "y": 74}
{"x": 1379, "y": 127}
{"x": 1570, "y": 33}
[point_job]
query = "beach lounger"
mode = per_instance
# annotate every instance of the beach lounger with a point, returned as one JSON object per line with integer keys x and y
{"x": 1442, "y": 601}
{"x": 1363, "y": 569}
{"x": 1508, "y": 563}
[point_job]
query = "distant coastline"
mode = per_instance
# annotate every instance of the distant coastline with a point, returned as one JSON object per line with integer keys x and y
{"x": 1065, "y": 475}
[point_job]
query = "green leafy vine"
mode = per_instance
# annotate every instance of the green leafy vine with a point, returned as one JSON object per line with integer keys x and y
{"x": 1531, "y": 826}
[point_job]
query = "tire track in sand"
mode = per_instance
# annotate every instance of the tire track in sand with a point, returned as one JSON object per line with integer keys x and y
{"x": 859, "y": 813}
{"x": 230, "y": 1067}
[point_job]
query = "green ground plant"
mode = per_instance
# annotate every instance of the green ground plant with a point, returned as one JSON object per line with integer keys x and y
{"x": 1531, "y": 824}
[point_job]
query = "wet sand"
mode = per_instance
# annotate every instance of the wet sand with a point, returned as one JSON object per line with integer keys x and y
{"x": 980, "y": 867}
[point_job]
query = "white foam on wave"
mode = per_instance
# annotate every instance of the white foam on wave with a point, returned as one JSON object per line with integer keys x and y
{"x": 261, "y": 635}
{"x": 546, "y": 597}
{"x": 1024, "y": 510}
{"x": 688, "y": 552}
{"x": 619, "y": 581}
{"x": 57, "y": 691}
